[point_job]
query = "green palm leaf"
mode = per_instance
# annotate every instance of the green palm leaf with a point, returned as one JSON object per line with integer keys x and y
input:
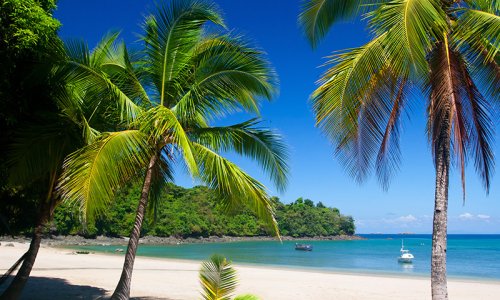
{"x": 343, "y": 85}
{"x": 218, "y": 278}
{"x": 119, "y": 65}
{"x": 39, "y": 149}
{"x": 163, "y": 174}
{"x": 481, "y": 31}
{"x": 317, "y": 16}
{"x": 227, "y": 75}
{"x": 263, "y": 145}
{"x": 234, "y": 187}
{"x": 246, "y": 297}
{"x": 92, "y": 175}
{"x": 411, "y": 25}
{"x": 80, "y": 69}
{"x": 170, "y": 36}
{"x": 163, "y": 128}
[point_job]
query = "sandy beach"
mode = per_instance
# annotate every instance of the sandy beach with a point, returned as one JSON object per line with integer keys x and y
{"x": 62, "y": 274}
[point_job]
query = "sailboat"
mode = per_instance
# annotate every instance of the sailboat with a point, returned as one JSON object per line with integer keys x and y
{"x": 406, "y": 256}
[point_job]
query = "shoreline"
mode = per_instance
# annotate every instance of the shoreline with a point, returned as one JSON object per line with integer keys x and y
{"x": 59, "y": 273}
{"x": 78, "y": 243}
{"x": 337, "y": 271}
{"x": 77, "y": 240}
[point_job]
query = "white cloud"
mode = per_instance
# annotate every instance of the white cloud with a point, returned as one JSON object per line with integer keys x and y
{"x": 466, "y": 216}
{"x": 471, "y": 217}
{"x": 401, "y": 220}
{"x": 483, "y": 217}
{"x": 407, "y": 219}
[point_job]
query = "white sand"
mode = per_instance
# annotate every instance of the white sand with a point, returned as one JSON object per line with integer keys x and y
{"x": 59, "y": 274}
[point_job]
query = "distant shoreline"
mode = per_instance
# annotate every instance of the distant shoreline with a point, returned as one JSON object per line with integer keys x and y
{"x": 76, "y": 240}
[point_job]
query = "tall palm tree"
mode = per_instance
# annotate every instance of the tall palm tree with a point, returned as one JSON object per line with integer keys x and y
{"x": 186, "y": 77}
{"x": 69, "y": 122}
{"x": 446, "y": 49}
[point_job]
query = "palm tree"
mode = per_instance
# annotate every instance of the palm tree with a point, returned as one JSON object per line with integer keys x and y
{"x": 446, "y": 49}
{"x": 69, "y": 122}
{"x": 186, "y": 77}
{"x": 218, "y": 280}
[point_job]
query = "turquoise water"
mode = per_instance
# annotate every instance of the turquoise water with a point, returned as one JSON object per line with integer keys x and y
{"x": 469, "y": 256}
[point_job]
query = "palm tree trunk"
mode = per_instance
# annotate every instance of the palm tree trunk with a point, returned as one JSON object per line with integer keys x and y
{"x": 439, "y": 230}
{"x": 45, "y": 214}
{"x": 16, "y": 287}
{"x": 122, "y": 291}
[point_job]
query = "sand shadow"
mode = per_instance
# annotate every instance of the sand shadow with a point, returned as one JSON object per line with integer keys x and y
{"x": 149, "y": 298}
{"x": 46, "y": 288}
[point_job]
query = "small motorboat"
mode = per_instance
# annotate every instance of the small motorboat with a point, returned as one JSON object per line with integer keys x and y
{"x": 406, "y": 257}
{"x": 303, "y": 247}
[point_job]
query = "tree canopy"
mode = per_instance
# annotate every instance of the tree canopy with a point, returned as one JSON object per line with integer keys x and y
{"x": 195, "y": 212}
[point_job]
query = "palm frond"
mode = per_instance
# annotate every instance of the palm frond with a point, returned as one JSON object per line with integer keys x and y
{"x": 227, "y": 75}
{"x": 103, "y": 50}
{"x": 482, "y": 128}
{"x": 170, "y": 34}
{"x": 343, "y": 85}
{"x": 97, "y": 87}
{"x": 163, "y": 174}
{"x": 487, "y": 75}
{"x": 491, "y": 6}
{"x": 263, "y": 145}
{"x": 218, "y": 278}
{"x": 358, "y": 106}
{"x": 338, "y": 101}
{"x": 162, "y": 126}
{"x": 39, "y": 149}
{"x": 234, "y": 187}
{"x": 480, "y": 30}
{"x": 411, "y": 27}
{"x": 92, "y": 175}
{"x": 246, "y": 297}
{"x": 317, "y": 16}
{"x": 445, "y": 109}
{"x": 120, "y": 67}
{"x": 388, "y": 157}
{"x": 458, "y": 113}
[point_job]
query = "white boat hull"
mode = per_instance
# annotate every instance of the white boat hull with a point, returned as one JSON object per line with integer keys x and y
{"x": 405, "y": 260}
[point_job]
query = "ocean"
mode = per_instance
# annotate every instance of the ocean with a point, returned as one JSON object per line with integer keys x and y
{"x": 469, "y": 256}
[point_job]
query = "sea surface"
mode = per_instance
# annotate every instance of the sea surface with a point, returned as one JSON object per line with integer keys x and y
{"x": 469, "y": 256}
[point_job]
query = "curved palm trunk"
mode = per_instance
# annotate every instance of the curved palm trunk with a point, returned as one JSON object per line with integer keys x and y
{"x": 17, "y": 285}
{"x": 439, "y": 230}
{"x": 122, "y": 290}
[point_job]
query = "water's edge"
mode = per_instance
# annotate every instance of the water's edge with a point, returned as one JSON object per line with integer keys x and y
{"x": 372, "y": 257}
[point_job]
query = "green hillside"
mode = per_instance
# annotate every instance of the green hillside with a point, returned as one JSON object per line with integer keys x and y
{"x": 194, "y": 212}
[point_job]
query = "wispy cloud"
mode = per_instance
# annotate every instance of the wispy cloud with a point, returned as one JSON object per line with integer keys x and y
{"x": 465, "y": 222}
{"x": 470, "y": 217}
{"x": 466, "y": 216}
{"x": 483, "y": 217}
{"x": 406, "y": 219}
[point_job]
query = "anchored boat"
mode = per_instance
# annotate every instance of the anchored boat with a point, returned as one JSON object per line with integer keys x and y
{"x": 406, "y": 256}
{"x": 303, "y": 247}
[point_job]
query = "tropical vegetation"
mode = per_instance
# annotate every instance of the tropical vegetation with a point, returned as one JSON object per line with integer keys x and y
{"x": 197, "y": 212}
{"x": 68, "y": 121}
{"x": 446, "y": 50}
{"x": 184, "y": 79}
{"x": 28, "y": 40}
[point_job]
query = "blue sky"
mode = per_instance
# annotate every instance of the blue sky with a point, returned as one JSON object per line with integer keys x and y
{"x": 315, "y": 174}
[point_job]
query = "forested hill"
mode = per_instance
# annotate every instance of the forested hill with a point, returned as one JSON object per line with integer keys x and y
{"x": 194, "y": 212}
